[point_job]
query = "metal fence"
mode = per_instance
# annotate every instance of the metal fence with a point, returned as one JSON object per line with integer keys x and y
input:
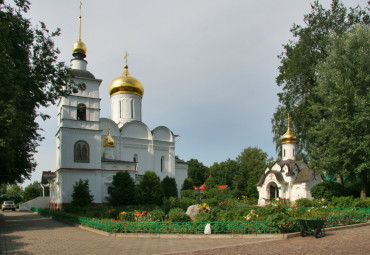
{"x": 245, "y": 227}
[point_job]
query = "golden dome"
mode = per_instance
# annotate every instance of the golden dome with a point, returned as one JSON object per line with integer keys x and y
{"x": 108, "y": 141}
{"x": 126, "y": 84}
{"x": 289, "y": 137}
{"x": 79, "y": 47}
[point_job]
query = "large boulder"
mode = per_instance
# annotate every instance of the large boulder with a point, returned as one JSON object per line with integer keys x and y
{"x": 192, "y": 211}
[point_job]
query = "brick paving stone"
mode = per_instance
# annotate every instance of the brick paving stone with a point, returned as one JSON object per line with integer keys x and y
{"x": 28, "y": 233}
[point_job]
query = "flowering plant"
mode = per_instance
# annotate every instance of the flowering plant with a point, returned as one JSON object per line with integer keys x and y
{"x": 251, "y": 216}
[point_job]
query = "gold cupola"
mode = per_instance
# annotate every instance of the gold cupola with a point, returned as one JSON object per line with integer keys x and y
{"x": 126, "y": 84}
{"x": 289, "y": 137}
{"x": 79, "y": 46}
{"x": 108, "y": 141}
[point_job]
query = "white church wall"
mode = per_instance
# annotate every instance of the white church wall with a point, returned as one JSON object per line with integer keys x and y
{"x": 68, "y": 139}
{"x": 181, "y": 175}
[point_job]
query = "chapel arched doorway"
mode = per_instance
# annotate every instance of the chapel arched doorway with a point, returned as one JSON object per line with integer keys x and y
{"x": 274, "y": 191}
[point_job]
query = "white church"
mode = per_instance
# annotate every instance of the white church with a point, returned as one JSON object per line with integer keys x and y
{"x": 95, "y": 149}
{"x": 289, "y": 178}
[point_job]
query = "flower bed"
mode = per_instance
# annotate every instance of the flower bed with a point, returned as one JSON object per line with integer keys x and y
{"x": 332, "y": 216}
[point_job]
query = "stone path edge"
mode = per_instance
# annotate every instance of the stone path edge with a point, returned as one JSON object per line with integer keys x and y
{"x": 214, "y": 236}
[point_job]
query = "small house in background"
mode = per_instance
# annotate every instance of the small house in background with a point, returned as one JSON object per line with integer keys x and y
{"x": 45, "y": 178}
{"x": 289, "y": 178}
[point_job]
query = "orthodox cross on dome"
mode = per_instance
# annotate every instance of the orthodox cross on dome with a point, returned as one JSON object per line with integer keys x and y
{"x": 125, "y": 57}
{"x": 289, "y": 118}
{"x": 79, "y": 31}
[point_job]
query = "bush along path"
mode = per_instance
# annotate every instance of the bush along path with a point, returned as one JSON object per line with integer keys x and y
{"x": 281, "y": 220}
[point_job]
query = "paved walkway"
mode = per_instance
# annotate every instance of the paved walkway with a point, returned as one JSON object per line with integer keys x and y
{"x": 28, "y": 233}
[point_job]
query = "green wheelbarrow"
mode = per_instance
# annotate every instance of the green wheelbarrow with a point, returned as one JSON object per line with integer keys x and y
{"x": 314, "y": 227}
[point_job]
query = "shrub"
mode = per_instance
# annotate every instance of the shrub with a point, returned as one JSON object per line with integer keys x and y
{"x": 361, "y": 202}
{"x": 327, "y": 190}
{"x": 169, "y": 187}
{"x": 157, "y": 215}
{"x": 189, "y": 193}
{"x": 342, "y": 201}
{"x": 111, "y": 214}
{"x": 123, "y": 190}
{"x": 204, "y": 217}
{"x": 178, "y": 215}
{"x": 126, "y": 216}
{"x": 188, "y": 184}
{"x": 81, "y": 194}
{"x": 150, "y": 189}
{"x": 232, "y": 213}
{"x": 303, "y": 202}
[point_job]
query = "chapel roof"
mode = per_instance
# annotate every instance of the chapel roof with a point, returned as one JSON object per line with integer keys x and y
{"x": 179, "y": 161}
{"x": 305, "y": 175}
{"x": 278, "y": 175}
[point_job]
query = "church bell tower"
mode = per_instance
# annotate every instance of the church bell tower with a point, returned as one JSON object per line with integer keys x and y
{"x": 78, "y": 136}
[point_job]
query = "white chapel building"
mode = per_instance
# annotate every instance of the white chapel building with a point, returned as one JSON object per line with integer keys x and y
{"x": 289, "y": 178}
{"x": 94, "y": 148}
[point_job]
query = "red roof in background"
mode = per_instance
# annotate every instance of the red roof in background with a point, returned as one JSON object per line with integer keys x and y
{"x": 202, "y": 188}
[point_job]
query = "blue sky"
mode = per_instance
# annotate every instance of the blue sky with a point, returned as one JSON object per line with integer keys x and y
{"x": 208, "y": 66}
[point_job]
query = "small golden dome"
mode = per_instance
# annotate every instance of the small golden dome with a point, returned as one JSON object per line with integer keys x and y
{"x": 289, "y": 137}
{"x": 126, "y": 84}
{"x": 79, "y": 47}
{"x": 108, "y": 141}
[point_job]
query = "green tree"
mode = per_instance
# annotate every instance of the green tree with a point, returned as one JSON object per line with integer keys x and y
{"x": 30, "y": 78}
{"x": 297, "y": 72}
{"x": 339, "y": 142}
{"x": 197, "y": 172}
{"x": 224, "y": 172}
{"x": 32, "y": 191}
{"x": 81, "y": 194}
{"x": 14, "y": 193}
{"x": 188, "y": 184}
{"x": 123, "y": 190}
{"x": 150, "y": 189}
{"x": 169, "y": 187}
{"x": 252, "y": 162}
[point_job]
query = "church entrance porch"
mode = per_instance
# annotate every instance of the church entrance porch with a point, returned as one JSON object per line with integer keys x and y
{"x": 273, "y": 191}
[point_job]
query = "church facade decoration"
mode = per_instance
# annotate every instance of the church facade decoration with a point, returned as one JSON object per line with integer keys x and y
{"x": 81, "y": 152}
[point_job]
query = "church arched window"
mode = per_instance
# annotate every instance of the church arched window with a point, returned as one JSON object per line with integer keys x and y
{"x": 135, "y": 159}
{"x": 132, "y": 109}
{"x": 284, "y": 153}
{"x": 162, "y": 163}
{"x": 81, "y": 112}
{"x": 81, "y": 152}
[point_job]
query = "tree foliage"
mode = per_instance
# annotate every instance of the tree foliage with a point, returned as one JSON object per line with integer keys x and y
{"x": 13, "y": 193}
{"x": 123, "y": 190}
{"x": 30, "y": 78}
{"x": 169, "y": 187}
{"x": 150, "y": 189}
{"x": 298, "y": 70}
{"x": 252, "y": 162}
{"x": 197, "y": 172}
{"x": 188, "y": 184}
{"x": 339, "y": 141}
{"x": 81, "y": 194}
{"x": 224, "y": 172}
{"x": 32, "y": 191}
